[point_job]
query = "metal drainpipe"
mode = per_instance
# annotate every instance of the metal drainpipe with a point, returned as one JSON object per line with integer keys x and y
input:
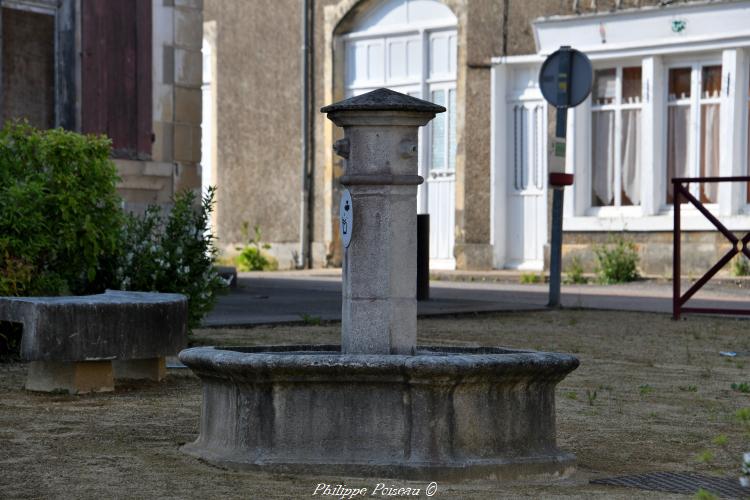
{"x": 302, "y": 254}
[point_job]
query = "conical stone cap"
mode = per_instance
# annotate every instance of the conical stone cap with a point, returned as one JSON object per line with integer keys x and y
{"x": 383, "y": 100}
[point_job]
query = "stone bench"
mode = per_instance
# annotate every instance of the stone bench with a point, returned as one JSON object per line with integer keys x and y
{"x": 81, "y": 344}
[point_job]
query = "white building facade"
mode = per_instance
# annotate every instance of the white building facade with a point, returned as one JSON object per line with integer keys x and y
{"x": 670, "y": 99}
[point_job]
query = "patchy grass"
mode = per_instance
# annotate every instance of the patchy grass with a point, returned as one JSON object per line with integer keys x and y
{"x": 689, "y": 418}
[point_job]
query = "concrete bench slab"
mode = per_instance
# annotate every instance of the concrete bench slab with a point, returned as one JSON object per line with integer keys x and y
{"x": 67, "y": 338}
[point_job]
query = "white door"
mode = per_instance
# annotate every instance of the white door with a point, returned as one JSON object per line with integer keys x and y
{"x": 527, "y": 186}
{"x": 410, "y": 46}
{"x": 439, "y": 155}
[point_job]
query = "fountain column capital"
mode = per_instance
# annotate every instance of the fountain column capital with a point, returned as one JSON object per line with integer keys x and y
{"x": 380, "y": 102}
{"x": 380, "y": 149}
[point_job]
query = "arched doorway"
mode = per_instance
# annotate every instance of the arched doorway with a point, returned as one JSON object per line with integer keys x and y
{"x": 410, "y": 46}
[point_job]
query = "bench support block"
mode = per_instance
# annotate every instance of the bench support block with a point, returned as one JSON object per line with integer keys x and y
{"x": 77, "y": 377}
{"x": 140, "y": 369}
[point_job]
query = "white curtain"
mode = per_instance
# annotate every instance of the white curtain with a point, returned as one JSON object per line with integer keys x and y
{"x": 631, "y": 155}
{"x": 437, "y": 158}
{"x": 677, "y": 144}
{"x": 710, "y": 150}
{"x": 603, "y": 149}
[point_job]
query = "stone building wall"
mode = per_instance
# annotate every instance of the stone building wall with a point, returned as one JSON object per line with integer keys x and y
{"x": 51, "y": 77}
{"x": 258, "y": 121}
{"x": 700, "y": 250}
{"x": 176, "y": 151}
{"x": 259, "y": 105}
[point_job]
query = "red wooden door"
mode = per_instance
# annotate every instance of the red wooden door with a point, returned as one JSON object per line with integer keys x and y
{"x": 116, "y": 72}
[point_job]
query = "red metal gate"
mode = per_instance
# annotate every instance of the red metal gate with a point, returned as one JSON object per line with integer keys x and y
{"x": 681, "y": 189}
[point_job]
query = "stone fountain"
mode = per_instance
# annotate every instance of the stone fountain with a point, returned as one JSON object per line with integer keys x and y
{"x": 379, "y": 405}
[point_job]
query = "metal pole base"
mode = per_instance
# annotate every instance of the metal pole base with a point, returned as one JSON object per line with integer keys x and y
{"x": 555, "y": 265}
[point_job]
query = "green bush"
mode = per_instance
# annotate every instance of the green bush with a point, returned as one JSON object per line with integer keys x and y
{"x": 530, "y": 278}
{"x": 252, "y": 257}
{"x": 617, "y": 261}
{"x": 172, "y": 254}
{"x": 741, "y": 266}
{"x": 59, "y": 211}
{"x": 62, "y": 231}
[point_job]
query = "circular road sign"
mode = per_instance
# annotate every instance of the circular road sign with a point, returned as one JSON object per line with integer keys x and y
{"x": 565, "y": 78}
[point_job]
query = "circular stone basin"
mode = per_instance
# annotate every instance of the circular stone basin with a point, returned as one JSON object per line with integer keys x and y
{"x": 441, "y": 414}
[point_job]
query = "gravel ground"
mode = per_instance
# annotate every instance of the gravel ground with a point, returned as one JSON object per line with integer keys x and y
{"x": 651, "y": 394}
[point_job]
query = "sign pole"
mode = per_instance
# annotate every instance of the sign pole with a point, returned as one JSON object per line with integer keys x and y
{"x": 558, "y": 191}
{"x": 565, "y": 81}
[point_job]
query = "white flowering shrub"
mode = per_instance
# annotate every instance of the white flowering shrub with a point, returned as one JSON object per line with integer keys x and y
{"x": 173, "y": 254}
{"x": 745, "y": 477}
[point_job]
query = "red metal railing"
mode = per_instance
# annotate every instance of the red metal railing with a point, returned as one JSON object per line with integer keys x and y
{"x": 681, "y": 189}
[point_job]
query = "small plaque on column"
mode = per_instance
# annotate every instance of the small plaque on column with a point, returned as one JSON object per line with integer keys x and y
{"x": 346, "y": 211}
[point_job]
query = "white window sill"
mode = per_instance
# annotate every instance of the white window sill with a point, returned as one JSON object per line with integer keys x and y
{"x": 443, "y": 264}
{"x": 528, "y": 265}
{"x": 691, "y": 220}
{"x": 614, "y": 212}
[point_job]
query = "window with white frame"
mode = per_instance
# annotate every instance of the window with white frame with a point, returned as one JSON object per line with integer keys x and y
{"x": 616, "y": 137}
{"x": 693, "y": 116}
{"x": 443, "y": 131}
{"x": 528, "y": 149}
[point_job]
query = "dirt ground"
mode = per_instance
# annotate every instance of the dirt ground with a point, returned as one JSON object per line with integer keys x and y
{"x": 651, "y": 394}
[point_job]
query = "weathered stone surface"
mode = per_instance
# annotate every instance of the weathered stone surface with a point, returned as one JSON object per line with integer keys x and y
{"x": 379, "y": 271}
{"x": 383, "y": 100}
{"x": 257, "y": 118}
{"x": 452, "y": 413}
{"x": 187, "y": 105}
{"x": 73, "y": 377}
{"x": 188, "y": 27}
{"x": 112, "y": 325}
{"x": 378, "y": 405}
{"x": 188, "y": 66}
{"x": 140, "y": 369}
{"x": 183, "y": 142}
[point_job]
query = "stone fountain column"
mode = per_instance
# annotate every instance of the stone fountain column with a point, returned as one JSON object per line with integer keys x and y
{"x": 379, "y": 272}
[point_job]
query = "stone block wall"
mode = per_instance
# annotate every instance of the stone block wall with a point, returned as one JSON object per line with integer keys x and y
{"x": 177, "y": 77}
{"x": 700, "y": 250}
